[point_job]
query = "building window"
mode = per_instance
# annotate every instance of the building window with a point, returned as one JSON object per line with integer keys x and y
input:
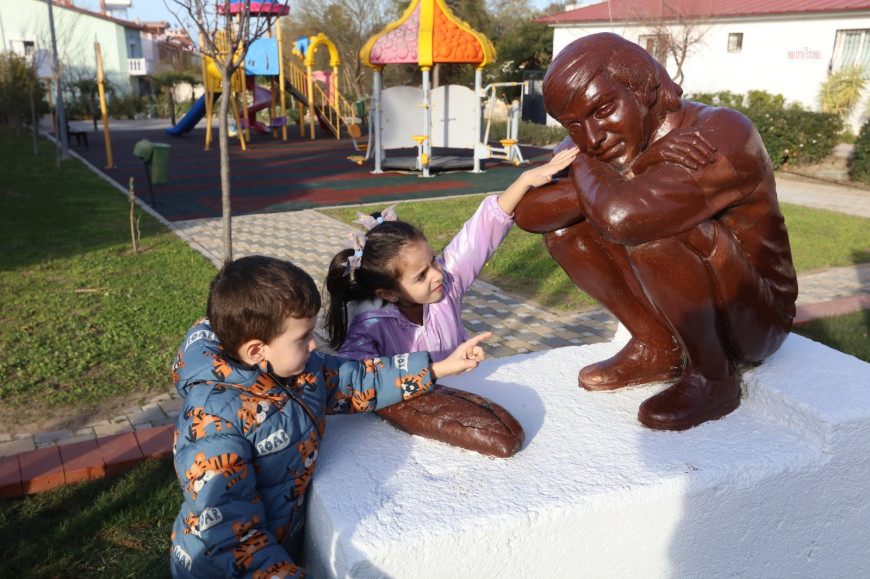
{"x": 851, "y": 48}
{"x": 735, "y": 41}
{"x": 23, "y": 46}
{"x": 657, "y": 46}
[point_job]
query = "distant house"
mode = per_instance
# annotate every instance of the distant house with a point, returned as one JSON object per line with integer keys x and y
{"x": 780, "y": 46}
{"x": 130, "y": 51}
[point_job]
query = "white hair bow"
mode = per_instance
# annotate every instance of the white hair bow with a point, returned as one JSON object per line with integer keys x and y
{"x": 367, "y": 221}
{"x": 356, "y": 242}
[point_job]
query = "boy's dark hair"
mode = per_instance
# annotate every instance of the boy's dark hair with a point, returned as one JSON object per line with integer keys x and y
{"x": 379, "y": 269}
{"x": 252, "y": 297}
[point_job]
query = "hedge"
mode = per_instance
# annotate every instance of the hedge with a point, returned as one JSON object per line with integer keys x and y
{"x": 790, "y": 133}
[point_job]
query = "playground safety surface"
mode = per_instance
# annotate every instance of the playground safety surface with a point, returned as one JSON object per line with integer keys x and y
{"x": 273, "y": 175}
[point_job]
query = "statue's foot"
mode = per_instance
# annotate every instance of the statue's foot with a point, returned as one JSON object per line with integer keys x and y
{"x": 690, "y": 402}
{"x": 635, "y": 364}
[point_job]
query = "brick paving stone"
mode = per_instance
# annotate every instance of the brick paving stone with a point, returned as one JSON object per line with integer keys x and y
{"x": 41, "y": 470}
{"x": 156, "y": 442}
{"x": 120, "y": 452}
{"x": 110, "y": 428}
{"x": 52, "y": 436}
{"x": 516, "y": 344}
{"x": 168, "y": 421}
{"x": 10, "y": 477}
{"x": 17, "y": 446}
{"x": 82, "y": 461}
{"x": 172, "y": 405}
{"x": 501, "y": 352}
{"x": 555, "y": 342}
{"x": 147, "y": 415}
{"x": 79, "y": 437}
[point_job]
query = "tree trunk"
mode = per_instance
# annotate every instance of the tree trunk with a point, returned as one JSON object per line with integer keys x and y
{"x": 33, "y": 122}
{"x": 171, "y": 97}
{"x": 224, "y": 144}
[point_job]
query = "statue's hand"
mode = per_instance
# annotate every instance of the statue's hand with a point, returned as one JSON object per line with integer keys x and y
{"x": 687, "y": 146}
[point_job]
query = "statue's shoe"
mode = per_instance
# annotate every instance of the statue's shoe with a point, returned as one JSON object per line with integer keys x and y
{"x": 635, "y": 364}
{"x": 690, "y": 402}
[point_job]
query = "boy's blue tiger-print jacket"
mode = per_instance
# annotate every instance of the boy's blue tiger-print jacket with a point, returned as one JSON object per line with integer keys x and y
{"x": 245, "y": 449}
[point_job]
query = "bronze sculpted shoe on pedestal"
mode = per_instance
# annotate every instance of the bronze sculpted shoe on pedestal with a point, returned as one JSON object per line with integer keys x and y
{"x": 635, "y": 364}
{"x": 690, "y": 402}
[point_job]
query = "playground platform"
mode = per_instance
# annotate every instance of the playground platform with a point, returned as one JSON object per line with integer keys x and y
{"x": 272, "y": 175}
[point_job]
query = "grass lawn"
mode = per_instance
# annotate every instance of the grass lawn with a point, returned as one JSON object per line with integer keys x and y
{"x": 84, "y": 321}
{"x": 118, "y": 526}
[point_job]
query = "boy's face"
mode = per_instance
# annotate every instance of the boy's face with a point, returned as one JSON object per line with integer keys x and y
{"x": 289, "y": 351}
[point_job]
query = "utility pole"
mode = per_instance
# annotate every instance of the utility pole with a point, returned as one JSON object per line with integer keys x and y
{"x": 61, "y": 116}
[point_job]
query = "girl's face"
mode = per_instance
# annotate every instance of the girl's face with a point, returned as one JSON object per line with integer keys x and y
{"x": 420, "y": 276}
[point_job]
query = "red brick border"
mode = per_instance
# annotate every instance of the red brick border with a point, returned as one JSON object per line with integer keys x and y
{"x": 47, "y": 468}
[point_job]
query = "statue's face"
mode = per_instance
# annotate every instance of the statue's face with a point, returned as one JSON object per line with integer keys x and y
{"x": 609, "y": 122}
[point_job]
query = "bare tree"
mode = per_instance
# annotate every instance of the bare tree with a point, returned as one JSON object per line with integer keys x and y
{"x": 674, "y": 30}
{"x": 225, "y": 36}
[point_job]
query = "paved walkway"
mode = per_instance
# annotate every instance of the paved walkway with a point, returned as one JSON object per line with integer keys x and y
{"x": 310, "y": 239}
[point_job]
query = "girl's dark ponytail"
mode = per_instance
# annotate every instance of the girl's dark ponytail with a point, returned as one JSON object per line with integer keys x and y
{"x": 379, "y": 269}
{"x": 338, "y": 286}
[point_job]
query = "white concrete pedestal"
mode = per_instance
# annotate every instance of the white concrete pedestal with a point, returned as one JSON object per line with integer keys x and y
{"x": 779, "y": 488}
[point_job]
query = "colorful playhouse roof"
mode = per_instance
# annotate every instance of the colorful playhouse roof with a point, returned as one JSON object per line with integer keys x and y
{"x": 261, "y": 8}
{"x": 427, "y": 33}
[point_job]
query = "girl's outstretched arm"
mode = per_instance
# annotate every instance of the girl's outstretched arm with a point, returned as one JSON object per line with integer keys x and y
{"x": 535, "y": 177}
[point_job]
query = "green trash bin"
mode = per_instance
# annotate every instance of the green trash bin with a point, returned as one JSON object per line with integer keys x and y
{"x": 160, "y": 164}
{"x": 359, "y": 111}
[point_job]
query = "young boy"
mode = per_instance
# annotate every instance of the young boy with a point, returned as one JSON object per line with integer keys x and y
{"x": 256, "y": 395}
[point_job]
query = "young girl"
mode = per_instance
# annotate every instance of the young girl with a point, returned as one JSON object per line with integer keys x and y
{"x": 391, "y": 294}
{"x": 397, "y": 296}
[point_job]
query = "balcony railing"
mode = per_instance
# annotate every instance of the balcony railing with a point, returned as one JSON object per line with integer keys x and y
{"x": 139, "y": 67}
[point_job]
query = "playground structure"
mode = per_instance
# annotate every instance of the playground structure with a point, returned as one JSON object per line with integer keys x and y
{"x": 428, "y": 33}
{"x": 331, "y": 109}
{"x": 264, "y": 58}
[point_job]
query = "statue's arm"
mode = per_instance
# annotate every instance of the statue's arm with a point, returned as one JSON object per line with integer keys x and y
{"x": 669, "y": 197}
{"x": 548, "y": 208}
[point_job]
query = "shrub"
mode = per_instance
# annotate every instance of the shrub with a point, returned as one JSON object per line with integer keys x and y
{"x": 790, "y": 133}
{"x": 125, "y": 107}
{"x": 15, "y": 84}
{"x": 529, "y": 133}
{"x": 859, "y": 167}
{"x": 842, "y": 90}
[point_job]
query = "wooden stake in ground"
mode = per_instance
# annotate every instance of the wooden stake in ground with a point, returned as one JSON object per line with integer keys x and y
{"x": 134, "y": 221}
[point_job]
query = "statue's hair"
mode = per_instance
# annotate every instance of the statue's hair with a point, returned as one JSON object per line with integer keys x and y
{"x": 626, "y": 62}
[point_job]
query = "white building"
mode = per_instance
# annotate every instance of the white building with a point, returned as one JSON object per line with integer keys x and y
{"x": 784, "y": 47}
{"x": 131, "y": 52}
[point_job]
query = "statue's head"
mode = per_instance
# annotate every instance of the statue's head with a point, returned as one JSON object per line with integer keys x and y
{"x": 610, "y": 94}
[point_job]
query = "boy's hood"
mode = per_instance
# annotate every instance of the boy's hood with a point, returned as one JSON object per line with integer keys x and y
{"x": 201, "y": 359}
